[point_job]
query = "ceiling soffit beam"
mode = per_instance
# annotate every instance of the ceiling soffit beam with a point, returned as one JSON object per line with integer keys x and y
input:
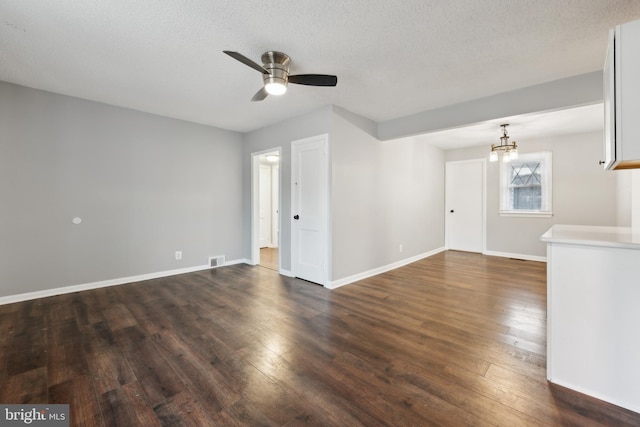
{"x": 583, "y": 89}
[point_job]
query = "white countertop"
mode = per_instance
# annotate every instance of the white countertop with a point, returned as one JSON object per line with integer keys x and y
{"x": 589, "y": 235}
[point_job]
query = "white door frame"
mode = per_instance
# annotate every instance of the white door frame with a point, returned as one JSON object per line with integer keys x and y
{"x": 266, "y": 198}
{"x": 255, "y": 204}
{"x": 275, "y": 202}
{"x": 447, "y": 232}
{"x": 326, "y": 282}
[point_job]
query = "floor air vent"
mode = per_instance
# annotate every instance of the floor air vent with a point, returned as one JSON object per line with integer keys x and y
{"x": 216, "y": 261}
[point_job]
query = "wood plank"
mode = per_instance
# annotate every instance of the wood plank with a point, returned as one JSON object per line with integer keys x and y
{"x": 25, "y": 387}
{"x": 184, "y": 409}
{"x": 128, "y": 406}
{"x": 156, "y": 377}
{"x": 119, "y": 317}
{"x": 79, "y": 394}
{"x": 314, "y": 390}
{"x": 8, "y": 320}
{"x": 108, "y": 367}
{"x": 28, "y": 350}
{"x": 65, "y": 362}
{"x": 199, "y": 375}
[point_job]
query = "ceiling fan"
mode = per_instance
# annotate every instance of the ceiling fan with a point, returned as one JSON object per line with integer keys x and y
{"x": 275, "y": 73}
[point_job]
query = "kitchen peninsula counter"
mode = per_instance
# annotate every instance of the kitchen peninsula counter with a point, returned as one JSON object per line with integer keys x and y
{"x": 593, "y": 311}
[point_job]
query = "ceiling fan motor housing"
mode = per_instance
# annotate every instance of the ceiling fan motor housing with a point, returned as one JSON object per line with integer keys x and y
{"x": 277, "y": 64}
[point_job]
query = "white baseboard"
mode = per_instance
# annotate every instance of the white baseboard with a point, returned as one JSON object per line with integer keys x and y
{"x": 104, "y": 283}
{"x": 365, "y": 274}
{"x": 238, "y": 261}
{"x": 286, "y": 273}
{"x": 516, "y": 256}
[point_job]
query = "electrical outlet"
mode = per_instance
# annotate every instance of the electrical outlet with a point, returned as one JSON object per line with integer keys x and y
{"x": 178, "y": 255}
{"x": 401, "y": 249}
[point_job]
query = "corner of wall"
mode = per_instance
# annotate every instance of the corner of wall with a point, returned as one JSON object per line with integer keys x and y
{"x": 364, "y": 124}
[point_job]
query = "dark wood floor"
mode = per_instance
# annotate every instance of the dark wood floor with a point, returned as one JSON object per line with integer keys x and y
{"x": 455, "y": 339}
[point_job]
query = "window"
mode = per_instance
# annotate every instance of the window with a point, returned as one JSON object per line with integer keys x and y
{"x": 525, "y": 186}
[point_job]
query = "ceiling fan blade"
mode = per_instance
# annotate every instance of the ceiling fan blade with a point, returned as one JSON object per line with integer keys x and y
{"x": 314, "y": 79}
{"x": 246, "y": 61}
{"x": 260, "y": 95}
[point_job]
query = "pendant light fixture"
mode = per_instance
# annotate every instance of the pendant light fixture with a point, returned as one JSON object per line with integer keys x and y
{"x": 509, "y": 149}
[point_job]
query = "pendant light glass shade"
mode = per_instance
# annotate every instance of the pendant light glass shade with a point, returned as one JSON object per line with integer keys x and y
{"x": 509, "y": 149}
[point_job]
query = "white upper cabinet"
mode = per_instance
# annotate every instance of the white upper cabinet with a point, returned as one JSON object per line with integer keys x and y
{"x": 622, "y": 98}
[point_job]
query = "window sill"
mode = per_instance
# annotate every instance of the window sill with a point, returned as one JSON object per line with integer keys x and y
{"x": 526, "y": 214}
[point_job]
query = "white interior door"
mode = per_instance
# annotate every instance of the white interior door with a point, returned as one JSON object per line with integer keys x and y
{"x": 309, "y": 206}
{"x": 464, "y": 196}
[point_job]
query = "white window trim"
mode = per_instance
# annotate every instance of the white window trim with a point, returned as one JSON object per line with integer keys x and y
{"x": 527, "y": 214}
{"x": 547, "y": 186}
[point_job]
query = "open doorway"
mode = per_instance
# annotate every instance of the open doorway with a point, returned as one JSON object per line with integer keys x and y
{"x": 266, "y": 211}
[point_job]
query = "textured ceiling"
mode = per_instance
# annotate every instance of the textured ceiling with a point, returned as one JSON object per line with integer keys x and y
{"x": 392, "y": 58}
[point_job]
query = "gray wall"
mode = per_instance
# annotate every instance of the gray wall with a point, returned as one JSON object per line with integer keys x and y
{"x": 279, "y": 135}
{"x": 625, "y": 196}
{"x": 145, "y": 186}
{"x": 583, "y": 193}
{"x": 384, "y": 194}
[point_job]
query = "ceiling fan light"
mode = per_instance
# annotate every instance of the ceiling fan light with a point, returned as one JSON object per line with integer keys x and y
{"x": 275, "y": 87}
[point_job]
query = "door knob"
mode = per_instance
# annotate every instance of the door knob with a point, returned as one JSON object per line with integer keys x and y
{"x": 296, "y": 217}
{"x": 451, "y": 211}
